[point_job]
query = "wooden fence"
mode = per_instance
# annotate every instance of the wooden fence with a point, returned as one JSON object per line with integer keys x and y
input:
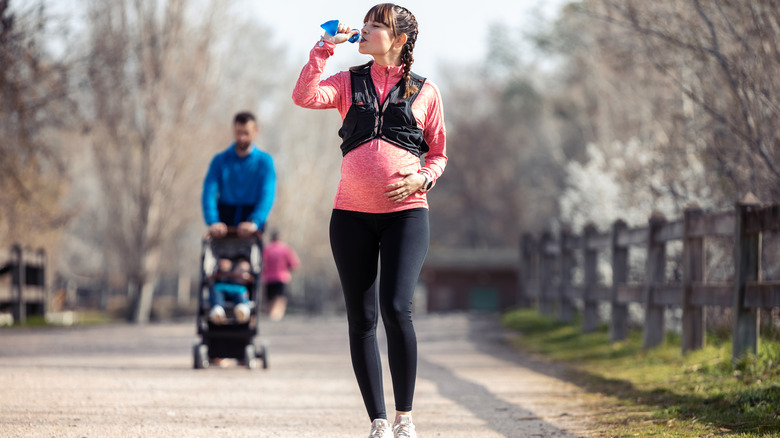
{"x": 23, "y": 282}
{"x": 547, "y": 265}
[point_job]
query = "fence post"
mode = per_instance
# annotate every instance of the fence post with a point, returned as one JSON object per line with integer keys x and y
{"x": 619, "y": 319}
{"x": 590, "y": 318}
{"x": 655, "y": 269}
{"x": 545, "y": 275}
{"x": 565, "y": 306}
{"x": 747, "y": 262}
{"x": 524, "y": 270}
{"x": 18, "y": 281}
{"x": 693, "y": 317}
{"x": 41, "y": 280}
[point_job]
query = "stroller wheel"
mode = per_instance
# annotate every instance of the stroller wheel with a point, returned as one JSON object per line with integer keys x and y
{"x": 200, "y": 353}
{"x": 250, "y": 357}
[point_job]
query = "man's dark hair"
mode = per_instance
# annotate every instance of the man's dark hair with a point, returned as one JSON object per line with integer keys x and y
{"x": 244, "y": 117}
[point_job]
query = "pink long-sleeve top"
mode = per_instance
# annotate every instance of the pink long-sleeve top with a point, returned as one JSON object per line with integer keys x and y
{"x": 367, "y": 170}
{"x": 278, "y": 260}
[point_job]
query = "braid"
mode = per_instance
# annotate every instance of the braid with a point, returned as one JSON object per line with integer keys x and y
{"x": 405, "y": 23}
{"x": 407, "y": 59}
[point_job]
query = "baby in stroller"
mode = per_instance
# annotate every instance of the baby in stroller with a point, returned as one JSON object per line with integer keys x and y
{"x": 231, "y": 280}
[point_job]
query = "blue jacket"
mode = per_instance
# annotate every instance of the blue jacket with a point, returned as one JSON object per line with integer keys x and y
{"x": 239, "y": 189}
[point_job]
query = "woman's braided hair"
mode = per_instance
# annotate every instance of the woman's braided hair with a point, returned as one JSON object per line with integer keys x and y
{"x": 401, "y": 21}
{"x": 406, "y": 23}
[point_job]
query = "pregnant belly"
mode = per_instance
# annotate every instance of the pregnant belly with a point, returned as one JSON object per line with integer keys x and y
{"x": 367, "y": 170}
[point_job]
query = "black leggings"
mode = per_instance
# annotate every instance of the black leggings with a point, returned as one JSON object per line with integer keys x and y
{"x": 400, "y": 241}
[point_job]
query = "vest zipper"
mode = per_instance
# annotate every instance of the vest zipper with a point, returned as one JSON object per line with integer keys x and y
{"x": 386, "y": 100}
{"x": 382, "y": 118}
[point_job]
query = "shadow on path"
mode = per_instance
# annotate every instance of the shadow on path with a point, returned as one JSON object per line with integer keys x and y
{"x": 501, "y": 416}
{"x": 486, "y": 335}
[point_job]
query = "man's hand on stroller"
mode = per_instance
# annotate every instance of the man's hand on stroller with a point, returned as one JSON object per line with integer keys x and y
{"x": 218, "y": 229}
{"x": 246, "y": 229}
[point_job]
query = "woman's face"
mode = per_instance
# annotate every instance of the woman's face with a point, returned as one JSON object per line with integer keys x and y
{"x": 376, "y": 39}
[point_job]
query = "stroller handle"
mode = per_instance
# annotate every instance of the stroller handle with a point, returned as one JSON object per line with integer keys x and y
{"x": 232, "y": 233}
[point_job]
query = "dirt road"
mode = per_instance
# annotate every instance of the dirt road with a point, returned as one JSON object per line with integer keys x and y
{"x": 138, "y": 381}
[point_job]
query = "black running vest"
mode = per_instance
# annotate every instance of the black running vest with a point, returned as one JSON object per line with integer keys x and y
{"x": 392, "y": 122}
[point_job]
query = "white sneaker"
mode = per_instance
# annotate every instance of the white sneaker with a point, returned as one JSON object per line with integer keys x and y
{"x": 403, "y": 427}
{"x": 242, "y": 313}
{"x": 217, "y": 315}
{"x": 380, "y": 428}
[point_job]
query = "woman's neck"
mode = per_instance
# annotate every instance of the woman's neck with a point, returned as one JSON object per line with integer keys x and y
{"x": 388, "y": 60}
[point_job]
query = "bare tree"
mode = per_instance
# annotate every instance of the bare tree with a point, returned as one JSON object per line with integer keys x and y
{"x": 152, "y": 85}
{"x": 675, "y": 95}
{"x": 34, "y": 101}
{"x": 630, "y": 116}
{"x": 505, "y": 170}
{"x": 721, "y": 58}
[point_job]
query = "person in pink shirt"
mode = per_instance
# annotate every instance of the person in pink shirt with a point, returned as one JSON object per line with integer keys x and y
{"x": 279, "y": 259}
{"x": 394, "y": 150}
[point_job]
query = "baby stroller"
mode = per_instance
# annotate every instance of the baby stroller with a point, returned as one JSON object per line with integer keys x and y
{"x": 231, "y": 339}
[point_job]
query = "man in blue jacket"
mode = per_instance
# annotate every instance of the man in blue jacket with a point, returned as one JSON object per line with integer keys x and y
{"x": 240, "y": 185}
{"x": 238, "y": 191}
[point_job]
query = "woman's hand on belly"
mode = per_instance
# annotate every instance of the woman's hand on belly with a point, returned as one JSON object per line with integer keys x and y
{"x": 409, "y": 185}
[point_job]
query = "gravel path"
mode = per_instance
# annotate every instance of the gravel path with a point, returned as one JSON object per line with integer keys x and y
{"x": 138, "y": 381}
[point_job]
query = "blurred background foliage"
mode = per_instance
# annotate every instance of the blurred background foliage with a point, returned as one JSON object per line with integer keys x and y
{"x": 613, "y": 110}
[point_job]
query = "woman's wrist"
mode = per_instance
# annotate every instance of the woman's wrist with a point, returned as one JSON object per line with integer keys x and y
{"x": 427, "y": 182}
{"x": 323, "y": 42}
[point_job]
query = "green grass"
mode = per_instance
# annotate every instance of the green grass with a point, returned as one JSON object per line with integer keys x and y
{"x": 85, "y": 317}
{"x": 660, "y": 391}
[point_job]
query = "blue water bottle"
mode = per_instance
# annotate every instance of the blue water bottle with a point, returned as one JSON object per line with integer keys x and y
{"x": 332, "y": 28}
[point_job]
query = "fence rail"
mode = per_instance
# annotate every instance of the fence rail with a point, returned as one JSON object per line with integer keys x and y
{"x": 547, "y": 265}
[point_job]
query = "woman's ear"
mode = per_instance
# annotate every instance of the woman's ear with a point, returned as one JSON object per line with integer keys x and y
{"x": 400, "y": 40}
